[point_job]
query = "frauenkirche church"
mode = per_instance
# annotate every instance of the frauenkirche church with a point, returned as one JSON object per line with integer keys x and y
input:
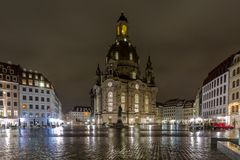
{"x": 120, "y": 83}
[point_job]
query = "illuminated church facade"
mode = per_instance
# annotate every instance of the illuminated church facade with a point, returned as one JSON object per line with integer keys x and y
{"x": 119, "y": 83}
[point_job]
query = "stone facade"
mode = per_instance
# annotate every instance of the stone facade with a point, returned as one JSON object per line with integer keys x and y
{"x": 120, "y": 84}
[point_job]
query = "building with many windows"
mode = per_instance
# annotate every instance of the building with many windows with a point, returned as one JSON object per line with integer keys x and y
{"x": 9, "y": 94}
{"x": 234, "y": 91}
{"x": 80, "y": 115}
{"x": 177, "y": 111}
{"x": 215, "y": 91}
{"x": 119, "y": 85}
{"x": 27, "y": 97}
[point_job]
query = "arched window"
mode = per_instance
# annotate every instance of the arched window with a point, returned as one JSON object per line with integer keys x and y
{"x": 123, "y": 101}
{"x": 110, "y": 101}
{"x": 234, "y": 72}
{"x": 146, "y": 100}
{"x": 233, "y": 96}
{"x": 233, "y": 84}
{"x": 238, "y": 70}
{"x": 116, "y": 56}
{"x": 136, "y": 100}
{"x": 131, "y": 56}
{"x": 134, "y": 75}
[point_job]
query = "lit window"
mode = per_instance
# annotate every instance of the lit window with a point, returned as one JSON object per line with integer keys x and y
{"x": 136, "y": 106}
{"x": 41, "y": 84}
{"x": 146, "y": 104}
{"x": 24, "y": 106}
{"x": 24, "y": 81}
{"x": 123, "y": 101}
{"x": 134, "y": 75}
{"x": 131, "y": 56}
{"x": 36, "y": 76}
{"x": 30, "y": 82}
{"x": 116, "y": 56}
{"x": 24, "y": 74}
{"x": 36, "y": 83}
{"x": 15, "y": 113}
{"x": 110, "y": 101}
{"x": 47, "y": 85}
{"x": 9, "y": 113}
{"x": 30, "y": 75}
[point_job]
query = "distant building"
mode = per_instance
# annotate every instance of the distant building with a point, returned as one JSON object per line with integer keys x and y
{"x": 27, "y": 97}
{"x": 177, "y": 111}
{"x": 80, "y": 115}
{"x": 120, "y": 84}
{"x": 234, "y": 91}
{"x": 215, "y": 91}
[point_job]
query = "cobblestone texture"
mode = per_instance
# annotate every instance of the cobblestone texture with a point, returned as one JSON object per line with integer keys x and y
{"x": 105, "y": 144}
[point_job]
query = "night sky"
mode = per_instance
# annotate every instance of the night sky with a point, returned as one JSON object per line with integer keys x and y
{"x": 66, "y": 40}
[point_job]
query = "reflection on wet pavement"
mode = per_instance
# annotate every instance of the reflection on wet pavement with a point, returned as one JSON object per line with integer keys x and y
{"x": 102, "y": 143}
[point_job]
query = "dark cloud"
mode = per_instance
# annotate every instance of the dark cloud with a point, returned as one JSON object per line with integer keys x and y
{"x": 66, "y": 39}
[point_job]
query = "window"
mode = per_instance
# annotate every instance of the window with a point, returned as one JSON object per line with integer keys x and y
{"x": 42, "y": 99}
{"x": 30, "y": 89}
{"x": 7, "y": 77}
{"x": 134, "y": 75}
{"x": 236, "y": 108}
{"x": 225, "y": 78}
{"x": 30, "y": 106}
{"x": 42, "y": 107}
{"x": 24, "y": 74}
{"x": 8, "y": 86}
{"x": 1, "y": 102}
{"x": 233, "y": 84}
{"x": 36, "y": 98}
{"x": 233, "y": 96}
{"x": 110, "y": 101}
{"x": 24, "y": 82}
{"x": 36, "y": 83}
{"x": 8, "y": 94}
{"x": 136, "y": 106}
{"x": 24, "y": 89}
{"x": 131, "y": 56}
{"x": 116, "y": 56}
{"x": 30, "y": 98}
{"x": 123, "y": 101}
{"x": 42, "y": 91}
{"x": 9, "y": 112}
{"x": 15, "y": 104}
{"x": 233, "y": 73}
{"x": 36, "y": 76}
{"x": 29, "y": 75}
{"x": 9, "y": 103}
{"x": 237, "y": 83}
{"x": 224, "y": 89}
{"x": 24, "y": 97}
{"x": 48, "y": 92}
{"x": 36, "y": 90}
{"x": 238, "y": 70}
{"x": 48, "y": 99}
{"x": 146, "y": 104}
{"x": 30, "y": 82}
{"x": 36, "y": 107}
{"x": 15, "y": 112}
{"x": 14, "y": 86}
{"x": 48, "y": 107}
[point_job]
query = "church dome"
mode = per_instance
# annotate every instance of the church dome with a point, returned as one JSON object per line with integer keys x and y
{"x": 122, "y": 51}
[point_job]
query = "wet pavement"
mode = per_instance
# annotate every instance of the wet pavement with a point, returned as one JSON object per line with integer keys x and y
{"x": 149, "y": 142}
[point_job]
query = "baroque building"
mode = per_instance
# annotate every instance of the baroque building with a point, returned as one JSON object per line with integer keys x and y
{"x": 120, "y": 83}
